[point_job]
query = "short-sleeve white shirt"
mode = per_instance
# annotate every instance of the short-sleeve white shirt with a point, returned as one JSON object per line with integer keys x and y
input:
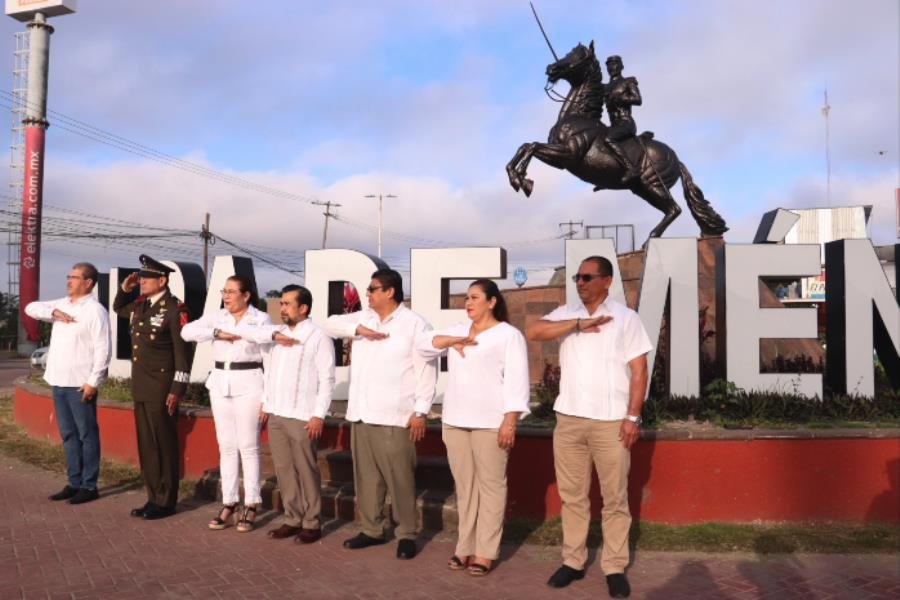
{"x": 595, "y": 377}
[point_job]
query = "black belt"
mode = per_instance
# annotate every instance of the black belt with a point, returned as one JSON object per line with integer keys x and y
{"x": 238, "y": 366}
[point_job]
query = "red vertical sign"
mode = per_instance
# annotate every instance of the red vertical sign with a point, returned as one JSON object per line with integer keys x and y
{"x": 30, "y": 253}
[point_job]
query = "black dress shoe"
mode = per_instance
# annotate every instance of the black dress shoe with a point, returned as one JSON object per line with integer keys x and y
{"x": 564, "y": 576}
{"x": 84, "y": 495}
{"x": 139, "y": 512}
{"x": 406, "y": 549}
{"x": 64, "y": 494}
{"x": 362, "y": 541}
{"x": 618, "y": 585}
{"x": 154, "y": 512}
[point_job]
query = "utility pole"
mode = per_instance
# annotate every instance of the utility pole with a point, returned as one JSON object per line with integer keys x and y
{"x": 826, "y": 109}
{"x": 571, "y": 225}
{"x": 380, "y": 216}
{"x": 207, "y": 236}
{"x": 328, "y": 214}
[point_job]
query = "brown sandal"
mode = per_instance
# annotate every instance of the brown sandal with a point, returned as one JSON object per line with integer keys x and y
{"x": 457, "y": 564}
{"x": 478, "y": 570}
{"x": 245, "y": 523}
{"x": 224, "y": 516}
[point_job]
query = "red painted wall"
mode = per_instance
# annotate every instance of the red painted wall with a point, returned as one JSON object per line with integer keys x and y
{"x": 672, "y": 481}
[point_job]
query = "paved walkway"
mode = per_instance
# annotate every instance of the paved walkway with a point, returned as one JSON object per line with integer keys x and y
{"x": 54, "y": 550}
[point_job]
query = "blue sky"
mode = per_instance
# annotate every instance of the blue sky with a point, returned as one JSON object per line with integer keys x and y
{"x": 429, "y": 100}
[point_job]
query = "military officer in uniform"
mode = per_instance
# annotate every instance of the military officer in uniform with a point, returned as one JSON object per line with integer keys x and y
{"x": 160, "y": 370}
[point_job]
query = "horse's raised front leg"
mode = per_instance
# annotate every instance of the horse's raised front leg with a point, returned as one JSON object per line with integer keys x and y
{"x": 555, "y": 155}
{"x": 513, "y": 169}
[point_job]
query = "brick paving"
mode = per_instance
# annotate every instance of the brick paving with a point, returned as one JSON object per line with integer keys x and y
{"x": 54, "y": 550}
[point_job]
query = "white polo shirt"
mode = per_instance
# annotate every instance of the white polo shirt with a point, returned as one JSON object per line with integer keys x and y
{"x": 595, "y": 378}
{"x": 489, "y": 381}
{"x": 389, "y": 379}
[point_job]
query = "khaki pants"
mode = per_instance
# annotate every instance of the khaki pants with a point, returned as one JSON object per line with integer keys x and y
{"x": 384, "y": 461}
{"x": 577, "y": 442}
{"x": 299, "y": 481}
{"x": 478, "y": 465}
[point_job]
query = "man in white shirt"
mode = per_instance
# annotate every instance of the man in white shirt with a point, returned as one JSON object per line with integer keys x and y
{"x": 391, "y": 391}
{"x": 76, "y": 365}
{"x": 603, "y": 360}
{"x": 299, "y": 382}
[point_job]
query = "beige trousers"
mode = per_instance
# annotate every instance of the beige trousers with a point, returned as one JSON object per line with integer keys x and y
{"x": 478, "y": 465}
{"x": 297, "y": 469}
{"x": 576, "y": 443}
{"x": 384, "y": 461}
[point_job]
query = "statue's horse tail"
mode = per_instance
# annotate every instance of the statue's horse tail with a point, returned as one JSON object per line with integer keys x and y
{"x": 710, "y": 222}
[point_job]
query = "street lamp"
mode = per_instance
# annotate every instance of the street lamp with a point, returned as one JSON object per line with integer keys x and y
{"x": 380, "y": 215}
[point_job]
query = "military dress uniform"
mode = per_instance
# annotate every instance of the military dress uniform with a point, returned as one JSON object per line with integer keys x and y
{"x": 160, "y": 366}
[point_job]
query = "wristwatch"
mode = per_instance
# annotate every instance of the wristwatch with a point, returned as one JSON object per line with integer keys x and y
{"x": 216, "y": 333}
{"x": 637, "y": 420}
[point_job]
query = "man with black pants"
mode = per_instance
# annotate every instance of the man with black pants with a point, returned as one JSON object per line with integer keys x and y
{"x": 160, "y": 370}
{"x": 76, "y": 365}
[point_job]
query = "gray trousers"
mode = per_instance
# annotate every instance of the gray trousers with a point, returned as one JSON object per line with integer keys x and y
{"x": 297, "y": 469}
{"x": 384, "y": 461}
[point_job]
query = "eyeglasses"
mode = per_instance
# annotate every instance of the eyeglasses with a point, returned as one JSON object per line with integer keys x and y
{"x": 374, "y": 288}
{"x": 74, "y": 277}
{"x": 586, "y": 277}
{"x": 230, "y": 292}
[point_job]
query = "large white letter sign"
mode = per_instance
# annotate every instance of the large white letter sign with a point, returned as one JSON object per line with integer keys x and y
{"x": 432, "y": 269}
{"x": 670, "y": 273}
{"x": 862, "y": 314}
{"x": 578, "y": 250}
{"x": 326, "y": 272}
{"x": 746, "y": 323}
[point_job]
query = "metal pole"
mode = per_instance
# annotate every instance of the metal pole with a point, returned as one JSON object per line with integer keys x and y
{"x": 380, "y": 216}
{"x": 206, "y": 247}
{"x": 325, "y": 230}
{"x": 35, "y": 122}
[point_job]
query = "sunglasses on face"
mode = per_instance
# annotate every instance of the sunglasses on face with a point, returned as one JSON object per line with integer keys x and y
{"x": 585, "y": 277}
{"x": 374, "y": 288}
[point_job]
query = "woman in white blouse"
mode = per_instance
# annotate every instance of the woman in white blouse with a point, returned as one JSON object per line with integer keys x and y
{"x": 240, "y": 334}
{"x": 487, "y": 393}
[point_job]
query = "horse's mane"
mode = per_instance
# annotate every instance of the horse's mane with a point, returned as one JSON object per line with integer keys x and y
{"x": 590, "y": 101}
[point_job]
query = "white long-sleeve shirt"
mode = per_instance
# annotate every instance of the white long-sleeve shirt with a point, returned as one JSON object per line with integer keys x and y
{"x": 79, "y": 352}
{"x": 300, "y": 378}
{"x": 389, "y": 379}
{"x": 255, "y": 331}
{"x": 595, "y": 378}
{"x": 489, "y": 381}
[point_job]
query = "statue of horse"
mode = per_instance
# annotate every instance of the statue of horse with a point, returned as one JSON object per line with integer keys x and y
{"x": 576, "y": 144}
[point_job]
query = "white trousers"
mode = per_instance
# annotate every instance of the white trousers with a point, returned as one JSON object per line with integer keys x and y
{"x": 237, "y": 431}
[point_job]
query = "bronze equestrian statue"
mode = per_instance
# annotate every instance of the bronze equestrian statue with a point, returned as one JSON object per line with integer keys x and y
{"x": 611, "y": 158}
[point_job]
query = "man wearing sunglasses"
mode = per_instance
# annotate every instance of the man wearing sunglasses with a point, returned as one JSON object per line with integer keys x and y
{"x": 391, "y": 391}
{"x": 603, "y": 360}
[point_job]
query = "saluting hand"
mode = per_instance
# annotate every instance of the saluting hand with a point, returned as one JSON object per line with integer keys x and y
{"x": 130, "y": 281}
{"x": 459, "y": 344}
{"x": 62, "y": 317}
{"x": 593, "y": 325}
{"x": 284, "y": 340}
{"x": 224, "y": 336}
{"x": 370, "y": 334}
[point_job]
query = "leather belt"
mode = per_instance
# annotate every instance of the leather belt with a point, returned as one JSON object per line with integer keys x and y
{"x": 238, "y": 366}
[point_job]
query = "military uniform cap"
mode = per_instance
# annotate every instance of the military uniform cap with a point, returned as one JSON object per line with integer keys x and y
{"x": 153, "y": 268}
{"x": 615, "y": 58}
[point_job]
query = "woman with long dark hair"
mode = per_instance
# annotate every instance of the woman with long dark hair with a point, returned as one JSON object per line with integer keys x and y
{"x": 487, "y": 393}
{"x": 240, "y": 335}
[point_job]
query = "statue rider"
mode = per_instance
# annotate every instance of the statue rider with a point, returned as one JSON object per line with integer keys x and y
{"x": 621, "y": 94}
